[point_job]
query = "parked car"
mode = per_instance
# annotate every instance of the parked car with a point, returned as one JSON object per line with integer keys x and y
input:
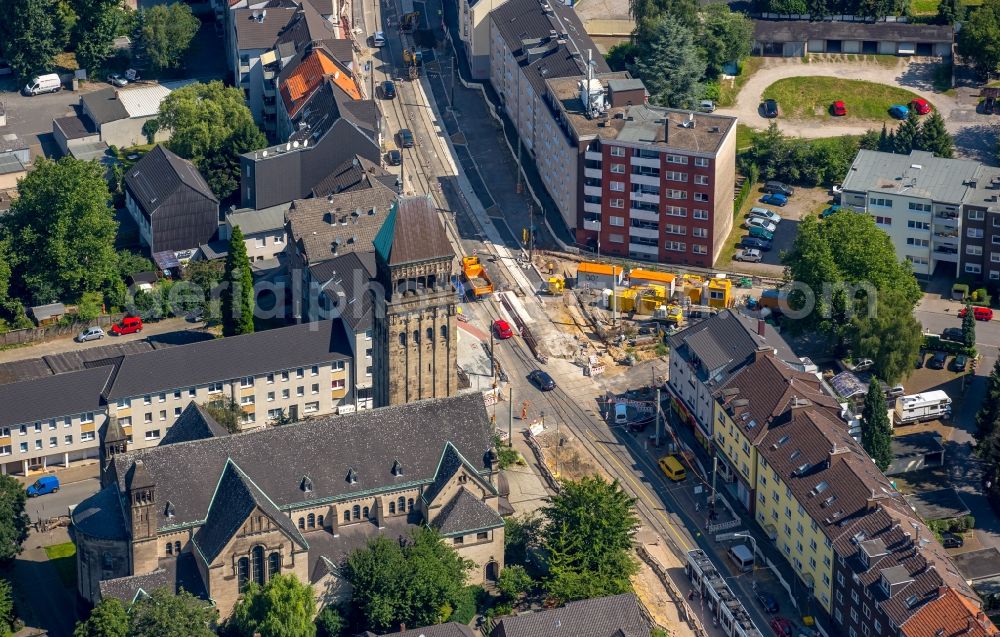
{"x": 46, "y": 83}
{"x": 379, "y": 38}
{"x": 980, "y": 313}
{"x": 128, "y": 325}
{"x": 770, "y": 108}
{"x": 952, "y": 541}
{"x": 839, "y": 109}
{"x": 959, "y": 363}
{"x": 388, "y": 90}
{"x": 779, "y": 188}
{"x": 542, "y": 379}
{"x": 750, "y": 255}
{"x": 953, "y": 334}
{"x": 406, "y": 138}
{"x": 757, "y": 222}
{"x": 394, "y": 157}
{"x": 116, "y": 79}
{"x": 775, "y": 200}
{"x": 43, "y": 486}
{"x": 768, "y": 601}
{"x": 862, "y": 365}
{"x": 921, "y": 106}
{"x": 899, "y": 111}
{"x": 89, "y": 334}
{"x": 764, "y": 213}
{"x": 706, "y": 106}
{"x": 782, "y": 627}
{"x": 830, "y": 211}
{"x": 759, "y": 232}
{"x": 754, "y": 243}
{"x": 895, "y": 391}
{"x": 937, "y": 361}
{"x": 502, "y": 329}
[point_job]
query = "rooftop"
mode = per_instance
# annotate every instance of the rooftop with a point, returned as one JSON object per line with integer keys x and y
{"x": 256, "y": 221}
{"x": 326, "y": 227}
{"x": 345, "y": 282}
{"x": 76, "y": 126}
{"x": 10, "y": 164}
{"x": 53, "y": 396}
{"x": 143, "y": 100}
{"x": 919, "y": 174}
{"x": 803, "y": 30}
{"x": 917, "y": 444}
{"x": 309, "y": 75}
{"x": 614, "y": 616}
{"x": 412, "y": 233}
{"x": 259, "y": 28}
{"x": 155, "y": 178}
{"x": 984, "y": 191}
{"x": 940, "y": 504}
{"x": 949, "y": 614}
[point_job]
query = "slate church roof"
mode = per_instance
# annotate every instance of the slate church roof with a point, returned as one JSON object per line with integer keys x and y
{"x": 412, "y": 232}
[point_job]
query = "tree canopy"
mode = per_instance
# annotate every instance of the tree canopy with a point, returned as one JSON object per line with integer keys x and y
{"x": 669, "y": 62}
{"x": 725, "y": 36}
{"x": 810, "y": 162}
{"x": 164, "y": 614}
{"x": 164, "y": 33}
{"x": 876, "y": 430}
{"x": 98, "y": 22}
{"x": 7, "y": 617}
{"x": 979, "y": 39}
{"x": 417, "y": 582}
{"x": 64, "y": 231}
{"x": 211, "y": 125}
{"x": 969, "y": 326}
{"x": 108, "y": 619}
{"x": 989, "y": 410}
{"x": 238, "y": 294}
{"x": 13, "y": 520}
{"x": 588, "y": 535}
{"x": 645, "y": 12}
{"x": 891, "y": 337}
{"x": 283, "y": 607}
{"x": 28, "y": 37}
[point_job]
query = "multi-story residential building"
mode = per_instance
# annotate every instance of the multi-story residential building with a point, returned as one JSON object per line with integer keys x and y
{"x": 51, "y": 420}
{"x": 747, "y": 402}
{"x": 917, "y": 199}
{"x": 217, "y": 512}
{"x": 705, "y": 355}
{"x": 654, "y": 183}
{"x": 980, "y": 253}
{"x": 255, "y": 32}
{"x": 474, "y": 32}
{"x": 297, "y": 83}
{"x": 263, "y": 231}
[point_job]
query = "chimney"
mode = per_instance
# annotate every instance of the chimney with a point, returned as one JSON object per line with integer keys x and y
{"x": 761, "y": 328}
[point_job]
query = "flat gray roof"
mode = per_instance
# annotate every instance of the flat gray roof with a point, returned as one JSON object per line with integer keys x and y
{"x": 976, "y": 565}
{"x": 942, "y": 504}
{"x": 919, "y": 174}
{"x": 917, "y": 444}
{"x": 255, "y": 221}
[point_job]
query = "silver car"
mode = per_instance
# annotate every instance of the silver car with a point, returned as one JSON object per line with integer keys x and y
{"x": 757, "y": 222}
{"x": 750, "y": 255}
{"x": 706, "y": 106}
{"x": 90, "y": 334}
{"x": 764, "y": 213}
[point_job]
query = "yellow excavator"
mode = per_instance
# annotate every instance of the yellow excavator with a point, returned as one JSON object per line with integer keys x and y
{"x": 408, "y": 21}
{"x": 413, "y": 60}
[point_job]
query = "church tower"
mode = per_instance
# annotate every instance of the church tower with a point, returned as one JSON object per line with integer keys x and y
{"x": 114, "y": 441}
{"x": 144, "y": 518}
{"x": 415, "y": 353}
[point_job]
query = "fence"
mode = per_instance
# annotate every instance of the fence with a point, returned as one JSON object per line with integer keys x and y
{"x": 683, "y": 610}
{"x": 547, "y": 475}
{"x": 31, "y": 334}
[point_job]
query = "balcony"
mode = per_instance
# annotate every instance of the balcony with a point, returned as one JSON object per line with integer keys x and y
{"x": 593, "y": 208}
{"x": 591, "y": 225}
{"x": 269, "y": 89}
{"x": 592, "y": 156}
{"x": 642, "y": 249}
{"x": 594, "y": 191}
{"x": 645, "y": 180}
{"x": 592, "y": 173}
{"x": 649, "y": 162}
{"x": 645, "y": 197}
{"x": 943, "y": 253}
{"x": 644, "y": 215}
{"x": 645, "y": 233}
{"x": 945, "y": 233}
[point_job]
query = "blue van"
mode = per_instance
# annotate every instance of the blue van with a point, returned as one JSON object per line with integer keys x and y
{"x": 44, "y": 485}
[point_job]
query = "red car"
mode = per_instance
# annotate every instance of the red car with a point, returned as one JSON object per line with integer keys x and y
{"x": 502, "y": 328}
{"x": 839, "y": 108}
{"x": 980, "y": 313}
{"x": 128, "y": 325}
{"x": 921, "y": 106}
{"x": 781, "y": 627}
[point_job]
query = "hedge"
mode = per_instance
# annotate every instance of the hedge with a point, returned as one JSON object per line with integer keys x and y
{"x": 937, "y": 344}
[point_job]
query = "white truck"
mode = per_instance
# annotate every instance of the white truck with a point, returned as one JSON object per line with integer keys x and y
{"x": 48, "y": 83}
{"x": 915, "y": 408}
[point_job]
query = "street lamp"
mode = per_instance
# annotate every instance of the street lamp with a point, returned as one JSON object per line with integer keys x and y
{"x": 753, "y": 565}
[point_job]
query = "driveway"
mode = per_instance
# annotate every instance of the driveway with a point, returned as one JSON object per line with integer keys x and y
{"x": 30, "y": 118}
{"x": 973, "y": 132}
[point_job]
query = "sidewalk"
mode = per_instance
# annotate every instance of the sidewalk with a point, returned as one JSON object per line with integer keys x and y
{"x": 77, "y": 471}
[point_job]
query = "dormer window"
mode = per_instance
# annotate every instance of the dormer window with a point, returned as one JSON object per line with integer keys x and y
{"x": 307, "y": 484}
{"x": 397, "y": 468}
{"x": 352, "y": 476}
{"x": 169, "y": 511}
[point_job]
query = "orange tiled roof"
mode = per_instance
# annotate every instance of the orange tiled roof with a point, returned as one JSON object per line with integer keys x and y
{"x": 954, "y": 614}
{"x": 309, "y": 76}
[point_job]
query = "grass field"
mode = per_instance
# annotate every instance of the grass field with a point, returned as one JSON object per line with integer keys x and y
{"x": 729, "y": 90}
{"x": 811, "y": 97}
{"x": 930, "y": 7}
{"x": 63, "y": 558}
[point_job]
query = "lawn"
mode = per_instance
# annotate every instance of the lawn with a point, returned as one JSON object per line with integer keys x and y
{"x": 63, "y": 558}
{"x": 923, "y": 7}
{"x": 728, "y": 90}
{"x": 744, "y": 137}
{"x": 811, "y": 97}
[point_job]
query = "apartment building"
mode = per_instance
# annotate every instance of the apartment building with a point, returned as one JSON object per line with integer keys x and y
{"x": 980, "y": 252}
{"x": 917, "y": 199}
{"x": 474, "y": 32}
{"x": 705, "y": 355}
{"x": 51, "y": 420}
{"x": 298, "y": 82}
{"x": 264, "y": 233}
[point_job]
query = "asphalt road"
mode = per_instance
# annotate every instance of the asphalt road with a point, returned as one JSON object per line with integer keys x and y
{"x": 937, "y": 315}
{"x": 58, "y": 503}
{"x": 31, "y": 117}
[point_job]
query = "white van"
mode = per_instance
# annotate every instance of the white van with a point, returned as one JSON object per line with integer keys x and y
{"x": 621, "y": 414}
{"x": 742, "y": 557}
{"x": 48, "y": 83}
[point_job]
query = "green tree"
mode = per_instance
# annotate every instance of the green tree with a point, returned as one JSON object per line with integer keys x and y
{"x": 969, "y": 327}
{"x": 64, "y": 231}
{"x": 522, "y": 535}
{"x": 979, "y": 39}
{"x": 165, "y": 33}
{"x": 725, "y": 36}
{"x": 13, "y": 520}
{"x": 989, "y": 411}
{"x": 7, "y": 617}
{"x": 164, "y": 614}
{"x": 284, "y": 607}
{"x": 377, "y": 574}
{"x": 108, "y": 619}
{"x": 96, "y": 27}
{"x": 589, "y": 540}
{"x": 891, "y": 337}
{"x": 934, "y": 137}
{"x": 28, "y": 36}
{"x": 645, "y": 12}
{"x": 669, "y": 63}
{"x": 330, "y": 623}
{"x": 621, "y": 56}
{"x": 226, "y": 411}
{"x": 237, "y": 295}
{"x": 871, "y": 139}
{"x": 908, "y": 133}
{"x": 876, "y": 430}
{"x": 435, "y": 578}
{"x": 130, "y": 263}
{"x": 811, "y": 263}
{"x": 64, "y": 20}
{"x": 211, "y": 125}
{"x": 514, "y": 581}
{"x": 12, "y": 314}
{"x": 950, "y": 12}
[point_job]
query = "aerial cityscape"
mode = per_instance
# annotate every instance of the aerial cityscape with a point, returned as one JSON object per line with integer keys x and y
{"x": 518, "y": 318}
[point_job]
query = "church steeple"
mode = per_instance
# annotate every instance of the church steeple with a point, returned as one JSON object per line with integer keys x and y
{"x": 114, "y": 441}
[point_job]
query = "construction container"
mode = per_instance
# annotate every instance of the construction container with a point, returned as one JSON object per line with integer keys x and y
{"x": 643, "y": 277}
{"x": 599, "y": 275}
